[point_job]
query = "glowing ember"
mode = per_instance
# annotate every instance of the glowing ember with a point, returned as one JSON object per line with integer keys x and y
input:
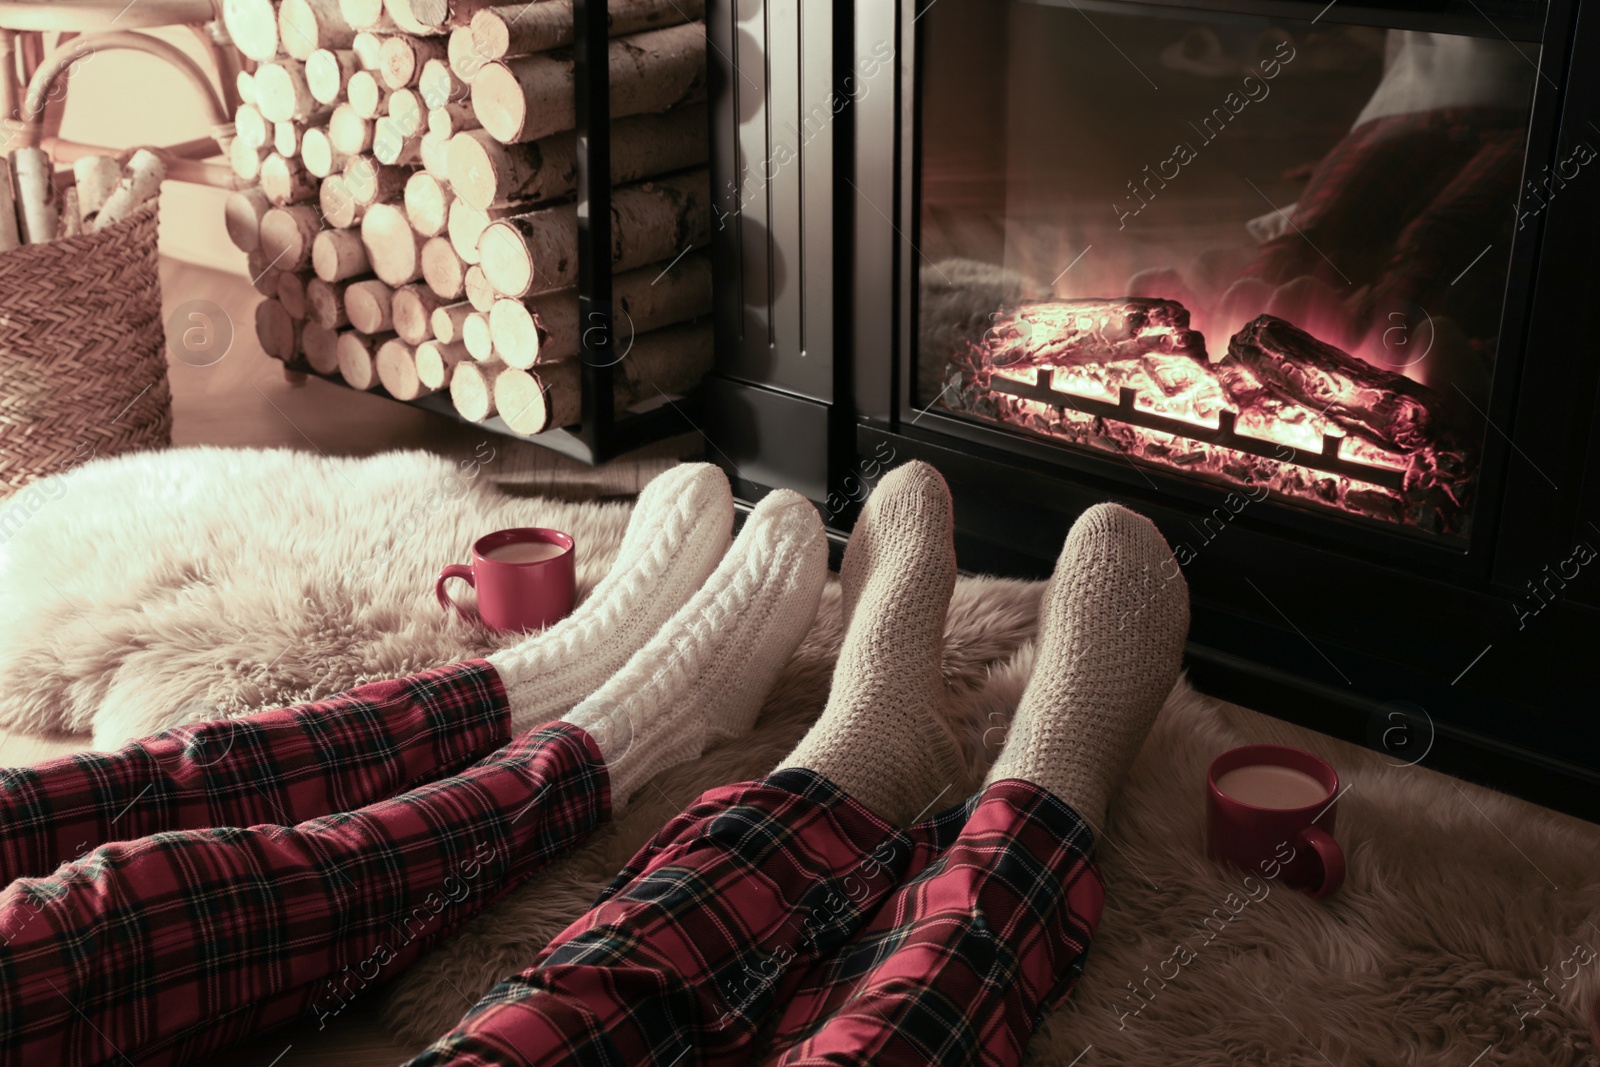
{"x": 1281, "y": 409}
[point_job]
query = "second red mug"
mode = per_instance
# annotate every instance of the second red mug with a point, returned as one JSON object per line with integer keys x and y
{"x": 1270, "y": 810}
{"x": 526, "y": 579}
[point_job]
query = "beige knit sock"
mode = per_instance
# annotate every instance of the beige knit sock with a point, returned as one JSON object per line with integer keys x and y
{"x": 882, "y": 738}
{"x": 1111, "y": 633}
{"x": 703, "y": 677}
{"x": 679, "y": 530}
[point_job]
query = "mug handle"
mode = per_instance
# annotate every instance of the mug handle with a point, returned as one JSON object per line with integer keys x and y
{"x": 455, "y": 570}
{"x": 1332, "y": 856}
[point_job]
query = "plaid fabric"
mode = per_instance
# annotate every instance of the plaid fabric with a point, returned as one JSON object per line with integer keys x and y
{"x": 282, "y": 766}
{"x": 161, "y": 949}
{"x": 678, "y": 962}
{"x": 958, "y": 965}
{"x": 784, "y": 899}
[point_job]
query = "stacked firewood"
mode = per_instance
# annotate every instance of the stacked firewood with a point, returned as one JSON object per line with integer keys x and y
{"x": 412, "y": 224}
{"x": 38, "y": 205}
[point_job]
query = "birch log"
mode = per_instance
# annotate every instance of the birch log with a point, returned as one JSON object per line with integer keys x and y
{"x": 263, "y": 275}
{"x": 96, "y": 178}
{"x": 38, "y": 209}
{"x": 443, "y": 270}
{"x": 403, "y": 57}
{"x": 436, "y": 362}
{"x": 412, "y": 309}
{"x": 365, "y": 94}
{"x": 287, "y": 235}
{"x": 466, "y": 223}
{"x": 292, "y": 293}
{"x": 325, "y": 303}
{"x": 368, "y": 48}
{"x": 320, "y": 346}
{"x": 371, "y": 183}
{"x": 472, "y": 389}
{"x": 282, "y": 93}
{"x": 475, "y": 335}
{"x": 442, "y": 12}
{"x": 278, "y": 334}
{"x": 339, "y": 207}
{"x": 480, "y": 294}
{"x": 304, "y": 26}
{"x": 427, "y": 201}
{"x": 286, "y": 181}
{"x": 546, "y": 329}
{"x": 397, "y": 370}
{"x": 10, "y": 232}
{"x": 393, "y": 248}
{"x": 664, "y": 362}
{"x": 338, "y": 255}
{"x": 244, "y": 83}
{"x": 368, "y": 304}
{"x": 348, "y": 131}
{"x": 366, "y": 14}
{"x": 529, "y": 97}
{"x": 653, "y": 221}
{"x": 462, "y": 55}
{"x": 250, "y": 127}
{"x": 399, "y": 12}
{"x": 434, "y": 152}
{"x": 439, "y": 85}
{"x": 446, "y": 321}
{"x": 327, "y": 71}
{"x": 451, "y": 119}
{"x": 357, "y": 354}
{"x": 246, "y": 161}
{"x": 241, "y": 215}
{"x": 521, "y": 29}
{"x": 141, "y": 180}
{"x": 391, "y": 145}
{"x": 253, "y": 27}
{"x": 484, "y": 171}
{"x": 320, "y": 157}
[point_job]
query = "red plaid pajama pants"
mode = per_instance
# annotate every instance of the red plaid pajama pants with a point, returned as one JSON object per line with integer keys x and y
{"x": 215, "y": 881}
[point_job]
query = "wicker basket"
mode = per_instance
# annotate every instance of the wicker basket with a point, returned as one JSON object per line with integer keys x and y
{"x": 83, "y": 364}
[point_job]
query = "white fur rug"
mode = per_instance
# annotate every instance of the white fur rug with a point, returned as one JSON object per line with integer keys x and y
{"x": 153, "y": 589}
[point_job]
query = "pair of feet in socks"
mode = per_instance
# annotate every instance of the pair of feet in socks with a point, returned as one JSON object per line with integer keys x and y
{"x": 678, "y": 646}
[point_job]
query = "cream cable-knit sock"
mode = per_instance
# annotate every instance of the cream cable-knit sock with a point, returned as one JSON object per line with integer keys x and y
{"x": 882, "y": 738}
{"x": 1112, "y": 625}
{"x": 679, "y": 530}
{"x": 704, "y": 676}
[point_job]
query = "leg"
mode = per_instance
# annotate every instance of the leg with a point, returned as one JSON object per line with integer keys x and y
{"x": 287, "y": 766}
{"x": 282, "y": 766}
{"x": 681, "y": 960}
{"x": 959, "y": 964}
{"x": 173, "y": 945}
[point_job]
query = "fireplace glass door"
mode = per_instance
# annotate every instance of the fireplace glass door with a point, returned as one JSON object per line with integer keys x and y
{"x": 1266, "y": 252}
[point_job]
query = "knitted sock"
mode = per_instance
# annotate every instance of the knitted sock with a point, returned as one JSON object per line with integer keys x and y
{"x": 1111, "y": 633}
{"x": 704, "y": 676}
{"x": 881, "y": 738}
{"x": 678, "y": 532}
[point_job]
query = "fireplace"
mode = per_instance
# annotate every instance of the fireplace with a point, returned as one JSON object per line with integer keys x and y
{"x": 1310, "y": 284}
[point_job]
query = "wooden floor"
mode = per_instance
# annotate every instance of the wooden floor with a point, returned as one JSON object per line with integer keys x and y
{"x": 244, "y": 400}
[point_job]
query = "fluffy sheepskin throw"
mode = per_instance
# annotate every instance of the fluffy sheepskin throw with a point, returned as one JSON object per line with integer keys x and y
{"x": 149, "y": 590}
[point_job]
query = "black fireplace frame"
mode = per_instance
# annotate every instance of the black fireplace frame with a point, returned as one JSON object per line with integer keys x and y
{"x": 1379, "y": 635}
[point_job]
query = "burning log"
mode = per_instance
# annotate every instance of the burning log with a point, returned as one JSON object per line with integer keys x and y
{"x": 484, "y": 171}
{"x": 529, "y": 97}
{"x": 1289, "y": 364}
{"x": 1065, "y": 333}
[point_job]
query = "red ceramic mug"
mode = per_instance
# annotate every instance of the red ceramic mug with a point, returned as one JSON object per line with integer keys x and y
{"x": 526, "y": 579}
{"x": 1270, "y": 810}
